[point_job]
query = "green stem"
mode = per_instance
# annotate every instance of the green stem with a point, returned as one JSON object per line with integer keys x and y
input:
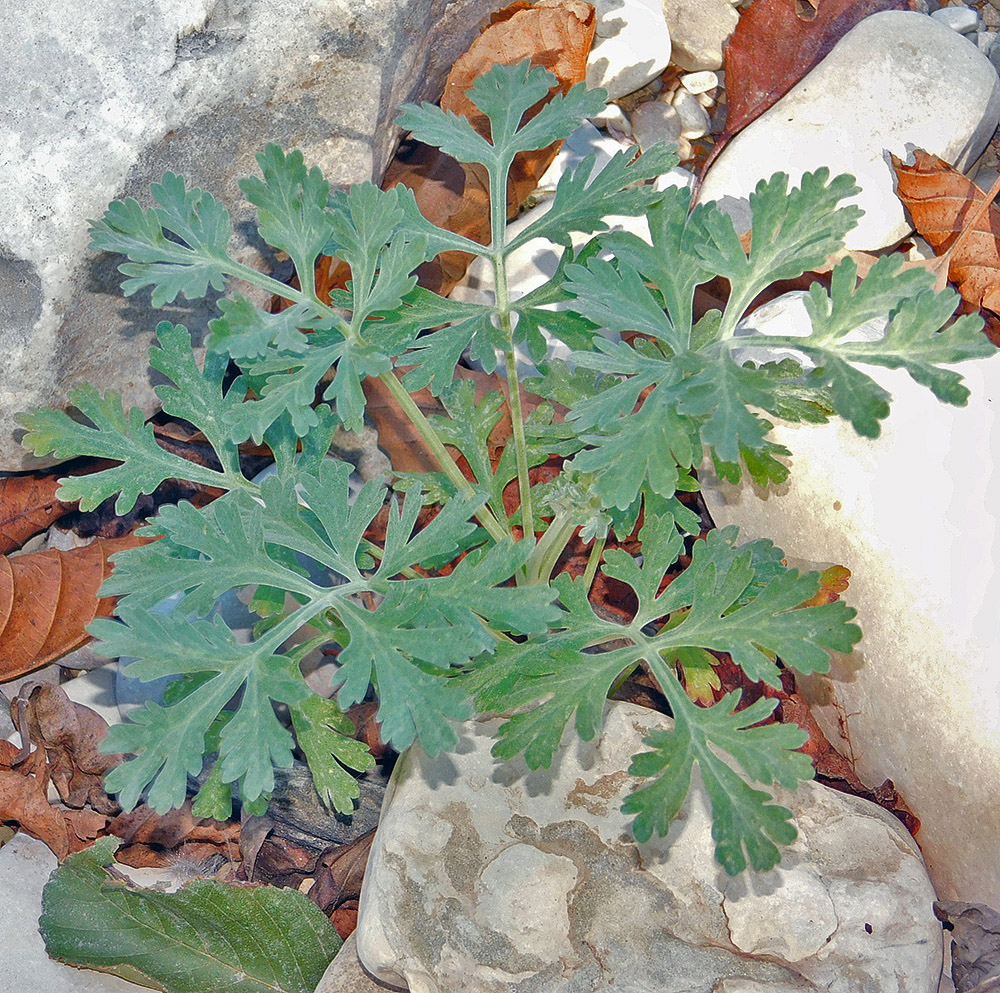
{"x": 498, "y": 230}
{"x": 550, "y": 546}
{"x": 484, "y": 515}
{"x": 596, "y": 551}
{"x": 272, "y": 285}
{"x": 520, "y": 443}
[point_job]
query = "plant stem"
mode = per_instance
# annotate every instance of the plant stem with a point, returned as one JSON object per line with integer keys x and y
{"x": 551, "y": 545}
{"x": 520, "y": 443}
{"x": 596, "y": 551}
{"x": 484, "y": 515}
{"x": 498, "y": 227}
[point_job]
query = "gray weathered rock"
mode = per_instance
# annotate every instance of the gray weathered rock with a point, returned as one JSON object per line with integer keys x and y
{"x": 485, "y": 878}
{"x": 25, "y": 866}
{"x": 97, "y": 104}
{"x": 345, "y": 974}
{"x": 655, "y": 121}
{"x": 699, "y": 30}
{"x": 878, "y": 91}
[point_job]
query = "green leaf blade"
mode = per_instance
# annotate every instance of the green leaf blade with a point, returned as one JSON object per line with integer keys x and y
{"x": 208, "y": 936}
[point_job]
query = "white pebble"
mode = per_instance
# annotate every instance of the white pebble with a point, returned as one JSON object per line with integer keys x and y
{"x": 655, "y": 121}
{"x": 700, "y": 82}
{"x": 694, "y": 121}
{"x": 705, "y": 99}
{"x": 612, "y": 118}
{"x": 961, "y": 19}
{"x": 986, "y": 41}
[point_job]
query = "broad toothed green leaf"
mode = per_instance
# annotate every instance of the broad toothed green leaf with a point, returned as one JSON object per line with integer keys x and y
{"x": 209, "y": 935}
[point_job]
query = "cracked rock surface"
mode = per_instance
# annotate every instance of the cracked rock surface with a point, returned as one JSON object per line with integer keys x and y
{"x": 486, "y": 878}
{"x": 99, "y": 105}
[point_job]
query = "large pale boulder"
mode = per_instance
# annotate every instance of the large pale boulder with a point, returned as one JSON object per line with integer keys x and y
{"x": 913, "y": 515}
{"x": 98, "y": 101}
{"x": 486, "y": 879}
{"x": 881, "y": 89}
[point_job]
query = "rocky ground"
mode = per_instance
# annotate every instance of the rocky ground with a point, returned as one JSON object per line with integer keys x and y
{"x": 478, "y": 883}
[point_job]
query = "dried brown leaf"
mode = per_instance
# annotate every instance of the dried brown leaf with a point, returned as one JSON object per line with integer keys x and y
{"x": 48, "y": 598}
{"x": 70, "y": 735}
{"x": 340, "y": 872}
{"x": 28, "y": 505}
{"x": 958, "y": 221}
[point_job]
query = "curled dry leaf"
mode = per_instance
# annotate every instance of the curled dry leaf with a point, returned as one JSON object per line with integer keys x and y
{"x": 70, "y": 735}
{"x": 958, "y": 220}
{"x": 48, "y": 598}
{"x": 339, "y": 874}
{"x": 775, "y": 44}
{"x": 159, "y": 840}
{"x": 23, "y": 799}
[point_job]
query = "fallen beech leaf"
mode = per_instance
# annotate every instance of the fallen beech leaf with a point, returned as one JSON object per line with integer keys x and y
{"x": 145, "y": 826}
{"x": 280, "y": 862}
{"x": 70, "y": 734}
{"x": 340, "y": 872}
{"x": 48, "y": 598}
{"x": 775, "y": 44}
{"x": 28, "y": 505}
{"x": 958, "y": 221}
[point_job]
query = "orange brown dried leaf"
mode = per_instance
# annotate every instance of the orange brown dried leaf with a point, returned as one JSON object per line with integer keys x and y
{"x": 48, "y": 598}
{"x": 943, "y": 205}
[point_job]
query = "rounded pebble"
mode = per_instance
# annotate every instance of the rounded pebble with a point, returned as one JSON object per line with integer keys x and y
{"x": 961, "y": 19}
{"x": 655, "y": 121}
{"x": 700, "y": 82}
{"x": 694, "y": 121}
{"x": 613, "y": 117}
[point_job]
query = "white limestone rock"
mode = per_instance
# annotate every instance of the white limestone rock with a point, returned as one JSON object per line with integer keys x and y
{"x": 699, "y": 30}
{"x": 25, "y": 866}
{"x": 631, "y": 46}
{"x": 964, "y": 20}
{"x": 878, "y": 91}
{"x": 913, "y": 515}
{"x": 485, "y": 878}
{"x": 345, "y": 974}
{"x": 97, "y": 104}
